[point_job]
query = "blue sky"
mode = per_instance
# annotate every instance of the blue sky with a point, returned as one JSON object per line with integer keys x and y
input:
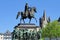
{"x": 9, "y": 9}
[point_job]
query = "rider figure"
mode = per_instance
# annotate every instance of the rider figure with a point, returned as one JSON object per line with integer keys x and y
{"x": 26, "y": 9}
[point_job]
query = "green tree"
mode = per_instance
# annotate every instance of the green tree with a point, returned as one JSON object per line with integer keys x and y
{"x": 51, "y": 30}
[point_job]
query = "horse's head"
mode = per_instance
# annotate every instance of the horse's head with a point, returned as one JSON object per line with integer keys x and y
{"x": 34, "y": 8}
{"x": 21, "y": 13}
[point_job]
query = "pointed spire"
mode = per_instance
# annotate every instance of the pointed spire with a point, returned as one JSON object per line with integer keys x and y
{"x": 59, "y": 19}
{"x": 49, "y": 19}
{"x": 44, "y": 15}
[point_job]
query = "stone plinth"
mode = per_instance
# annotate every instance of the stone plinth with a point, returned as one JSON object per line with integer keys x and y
{"x": 27, "y": 26}
{"x": 25, "y": 32}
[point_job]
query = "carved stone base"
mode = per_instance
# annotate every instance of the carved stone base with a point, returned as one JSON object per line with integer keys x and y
{"x": 25, "y": 31}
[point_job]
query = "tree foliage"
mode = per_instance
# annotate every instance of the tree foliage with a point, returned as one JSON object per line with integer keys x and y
{"x": 51, "y": 30}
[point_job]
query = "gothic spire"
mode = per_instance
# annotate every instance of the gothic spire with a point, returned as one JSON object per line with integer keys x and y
{"x": 44, "y": 15}
{"x": 59, "y": 19}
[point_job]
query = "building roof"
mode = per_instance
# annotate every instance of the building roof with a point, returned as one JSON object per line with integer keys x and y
{"x": 7, "y": 33}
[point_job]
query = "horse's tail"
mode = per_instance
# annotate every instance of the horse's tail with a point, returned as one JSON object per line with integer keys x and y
{"x": 18, "y": 15}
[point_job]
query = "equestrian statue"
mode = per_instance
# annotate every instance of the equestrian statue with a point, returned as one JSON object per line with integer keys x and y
{"x": 27, "y": 13}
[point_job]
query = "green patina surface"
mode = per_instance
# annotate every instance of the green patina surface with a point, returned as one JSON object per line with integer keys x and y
{"x": 25, "y": 34}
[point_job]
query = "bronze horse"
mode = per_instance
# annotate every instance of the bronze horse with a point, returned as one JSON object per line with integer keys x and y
{"x": 30, "y": 14}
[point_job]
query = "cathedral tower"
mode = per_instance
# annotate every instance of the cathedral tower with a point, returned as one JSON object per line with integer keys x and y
{"x": 44, "y": 20}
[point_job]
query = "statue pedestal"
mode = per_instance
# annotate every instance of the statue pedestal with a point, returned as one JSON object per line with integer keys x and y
{"x": 26, "y": 26}
{"x": 24, "y": 31}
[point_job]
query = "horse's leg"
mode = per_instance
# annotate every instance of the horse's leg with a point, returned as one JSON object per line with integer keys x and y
{"x": 20, "y": 20}
{"x": 29, "y": 20}
{"x": 23, "y": 21}
{"x": 35, "y": 19}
